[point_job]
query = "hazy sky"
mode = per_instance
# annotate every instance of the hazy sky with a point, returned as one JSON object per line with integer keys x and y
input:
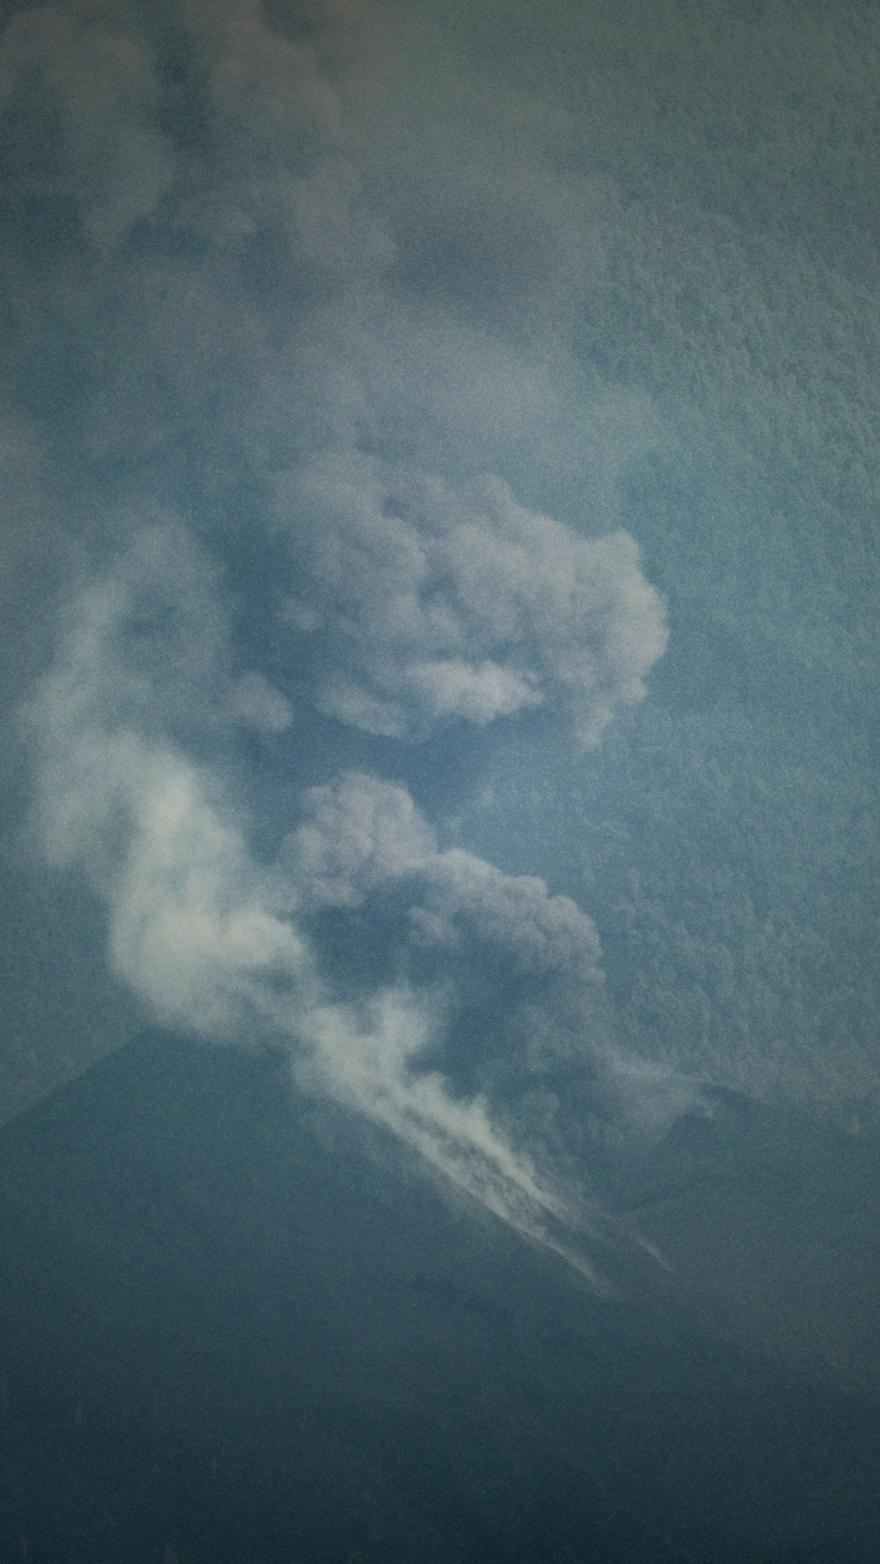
{"x": 440, "y": 452}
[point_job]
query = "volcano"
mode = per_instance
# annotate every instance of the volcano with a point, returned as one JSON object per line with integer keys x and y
{"x": 240, "y": 1325}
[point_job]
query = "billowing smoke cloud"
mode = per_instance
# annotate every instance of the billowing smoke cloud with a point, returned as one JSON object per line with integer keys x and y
{"x": 433, "y": 604}
{"x": 503, "y": 956}
{"x": 233, "y": 272}
{"x": 194, "y": 924}
{"x": 214, "y": 942}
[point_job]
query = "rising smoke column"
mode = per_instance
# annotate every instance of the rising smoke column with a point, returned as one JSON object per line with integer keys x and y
{"x": 231, "y": 285}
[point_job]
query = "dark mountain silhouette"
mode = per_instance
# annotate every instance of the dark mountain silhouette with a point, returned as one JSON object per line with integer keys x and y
{"x": 237, "y": 1326}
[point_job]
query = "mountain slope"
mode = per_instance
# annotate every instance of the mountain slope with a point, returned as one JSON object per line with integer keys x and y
{"x": 237, "y": 1326}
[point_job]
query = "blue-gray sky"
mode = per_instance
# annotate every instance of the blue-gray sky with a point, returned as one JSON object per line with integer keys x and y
{"x": 441, "y": 482}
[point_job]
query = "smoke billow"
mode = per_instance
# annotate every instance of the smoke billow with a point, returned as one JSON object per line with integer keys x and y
{"x": 292, "y": 458}
{"x": 434, "y": 605}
